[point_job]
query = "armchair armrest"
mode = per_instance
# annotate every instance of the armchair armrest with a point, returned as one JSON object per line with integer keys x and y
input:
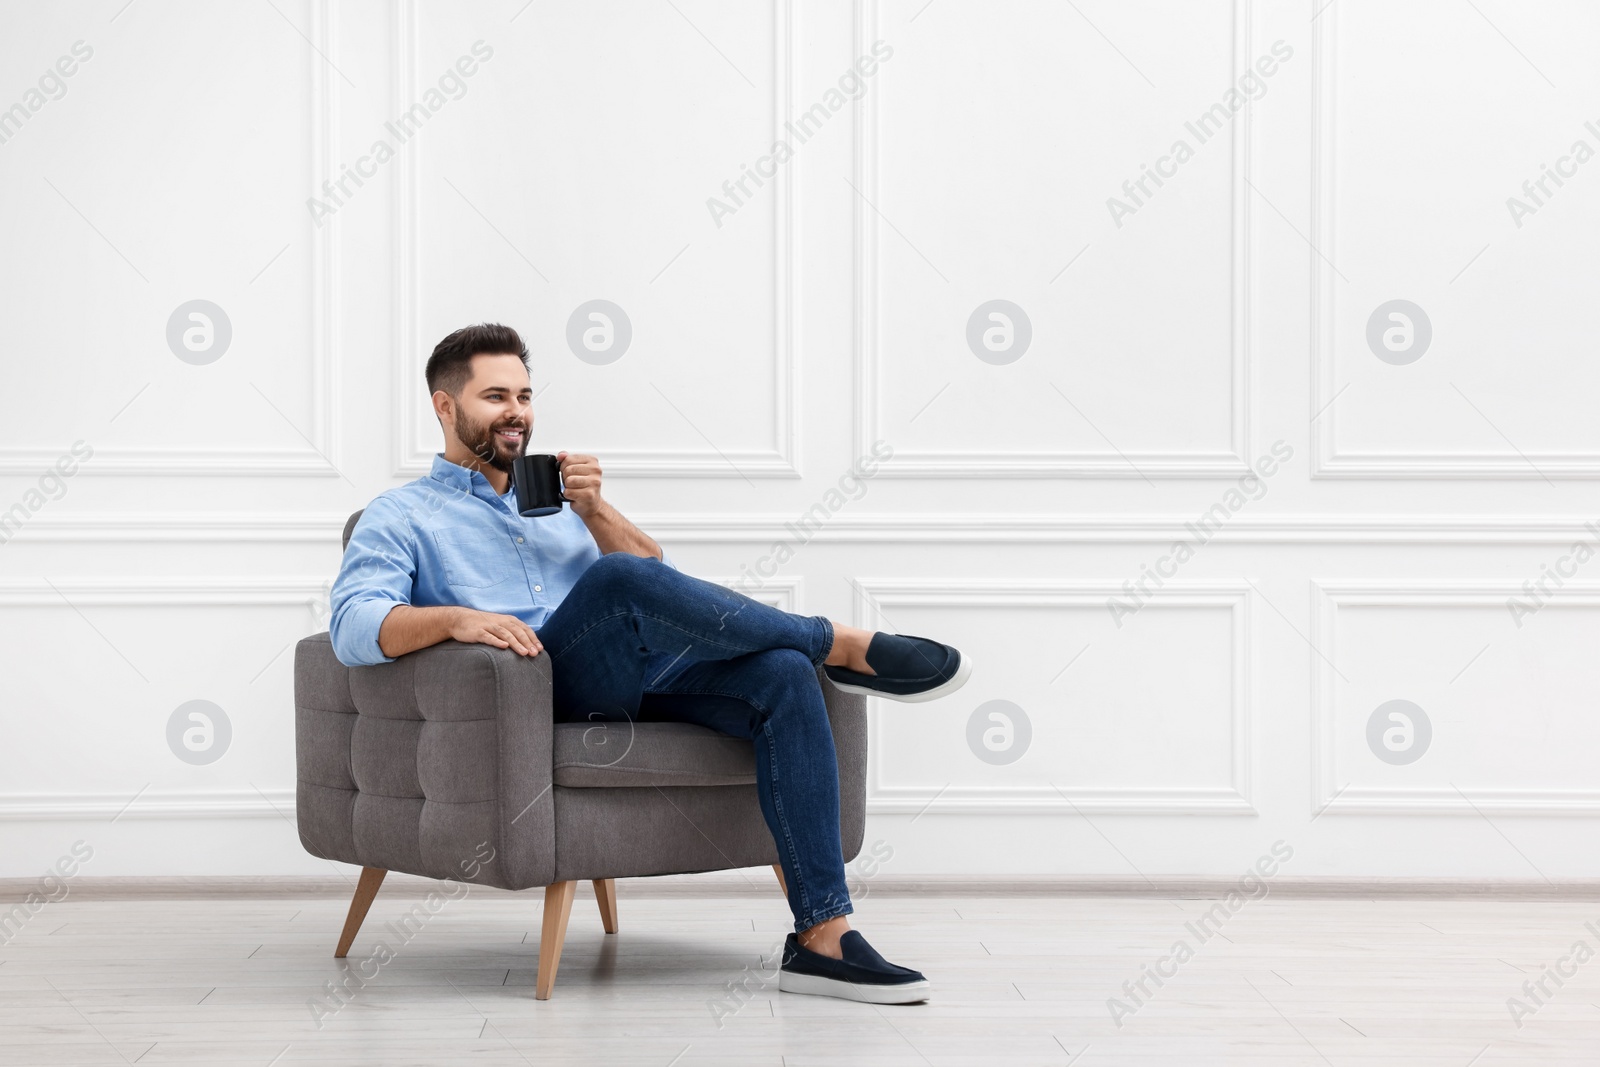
{"x": 424, "y": 764}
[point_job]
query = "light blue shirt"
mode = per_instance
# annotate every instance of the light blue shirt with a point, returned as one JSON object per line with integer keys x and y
{"x": 450, "y": 538}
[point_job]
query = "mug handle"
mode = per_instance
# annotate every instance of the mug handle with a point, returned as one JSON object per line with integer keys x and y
{"x": 561, "y": 484}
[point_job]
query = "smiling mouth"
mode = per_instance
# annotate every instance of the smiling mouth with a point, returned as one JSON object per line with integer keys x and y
{"x": 512, "y": 437}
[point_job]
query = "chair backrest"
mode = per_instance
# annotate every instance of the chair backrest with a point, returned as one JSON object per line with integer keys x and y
{"x": 350, "y": 525}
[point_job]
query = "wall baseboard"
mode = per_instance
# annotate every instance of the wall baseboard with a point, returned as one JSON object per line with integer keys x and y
{"x": 759, "y": 881}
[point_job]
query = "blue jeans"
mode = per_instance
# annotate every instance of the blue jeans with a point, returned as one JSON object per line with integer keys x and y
{"x": 638, "y": 640}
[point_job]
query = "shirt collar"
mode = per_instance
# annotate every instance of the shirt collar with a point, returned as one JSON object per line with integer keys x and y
{"x": 463, "y": 479}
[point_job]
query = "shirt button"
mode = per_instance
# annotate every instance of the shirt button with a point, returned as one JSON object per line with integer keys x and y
{"x": 519, "y": 540}
{"x": 538, "y": 589}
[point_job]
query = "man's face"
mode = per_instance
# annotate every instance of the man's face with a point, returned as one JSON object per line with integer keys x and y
{"x": 495, "y": 413}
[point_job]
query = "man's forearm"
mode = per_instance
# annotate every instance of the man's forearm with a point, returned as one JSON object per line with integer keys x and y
{"x": 406, "y": 629}
{"x": 613, "y": 533}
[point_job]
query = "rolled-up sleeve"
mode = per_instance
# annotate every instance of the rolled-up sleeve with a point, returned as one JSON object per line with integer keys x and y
{"x": 377, "y": 573}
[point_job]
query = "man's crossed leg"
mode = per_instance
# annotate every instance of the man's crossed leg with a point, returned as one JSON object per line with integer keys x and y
{"x": 638, "y": 640}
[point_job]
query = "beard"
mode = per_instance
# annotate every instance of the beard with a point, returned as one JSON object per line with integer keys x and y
{"x": 489, "y": 449}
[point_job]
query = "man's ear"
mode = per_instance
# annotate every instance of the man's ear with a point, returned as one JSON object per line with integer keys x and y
{"x": 441, "y": 412}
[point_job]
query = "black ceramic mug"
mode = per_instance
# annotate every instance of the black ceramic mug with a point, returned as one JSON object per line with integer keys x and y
{"x": 537, "y": 480}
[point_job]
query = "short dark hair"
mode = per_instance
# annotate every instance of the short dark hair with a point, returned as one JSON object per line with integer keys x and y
{"x": 450, "y": 366}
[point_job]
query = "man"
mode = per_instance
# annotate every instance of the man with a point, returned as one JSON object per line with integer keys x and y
{"x": 629, "y": 636}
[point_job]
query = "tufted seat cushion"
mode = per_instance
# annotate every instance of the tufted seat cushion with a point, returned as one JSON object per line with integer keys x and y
{"x": 595, "y": 755}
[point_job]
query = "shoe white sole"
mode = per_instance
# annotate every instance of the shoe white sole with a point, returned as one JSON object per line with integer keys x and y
{"x": 906, "y": 993}
{"x": 959, "y": 679}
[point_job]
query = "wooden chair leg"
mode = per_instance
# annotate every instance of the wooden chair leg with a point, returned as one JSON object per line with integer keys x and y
{"x": 777, "y": 869}
{"x": 557, "y": 908}
{"x": 366, "y": 889}
{"x": 605, "y": 892}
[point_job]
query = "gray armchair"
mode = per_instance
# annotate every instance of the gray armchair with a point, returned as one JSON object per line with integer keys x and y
{"x": 446, "y": 763}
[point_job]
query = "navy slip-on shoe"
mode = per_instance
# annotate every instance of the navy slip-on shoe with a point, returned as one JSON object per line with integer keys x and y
{"x": 862, "y": 975}
{"x": 909, "y": 669}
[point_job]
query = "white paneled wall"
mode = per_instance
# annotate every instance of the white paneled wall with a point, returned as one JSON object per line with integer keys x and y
{"x": 1215, "y": 373}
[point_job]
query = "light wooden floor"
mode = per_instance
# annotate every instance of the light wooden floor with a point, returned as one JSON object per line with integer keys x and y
{"x": 1016, "y": 981}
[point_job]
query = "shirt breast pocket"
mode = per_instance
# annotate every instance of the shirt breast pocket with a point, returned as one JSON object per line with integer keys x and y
{"x": 473, "y": 559}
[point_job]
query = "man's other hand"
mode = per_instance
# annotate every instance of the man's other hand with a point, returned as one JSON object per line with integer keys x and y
{"x": 501, "y": 631}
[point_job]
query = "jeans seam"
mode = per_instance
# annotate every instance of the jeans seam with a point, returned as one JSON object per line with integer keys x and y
{"x": 777, "y": 806}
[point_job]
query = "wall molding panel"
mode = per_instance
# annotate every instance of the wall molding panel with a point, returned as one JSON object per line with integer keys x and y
{"x": 220, "y": 591}
{"x": 888, "y": 797}
{"x": 1109, "y": 463}
{"x": 1329, "y": 459}
{"x": 319, "y": 455}
{"x": 416, "y": 438}
{"x": 1333, "y": 791}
